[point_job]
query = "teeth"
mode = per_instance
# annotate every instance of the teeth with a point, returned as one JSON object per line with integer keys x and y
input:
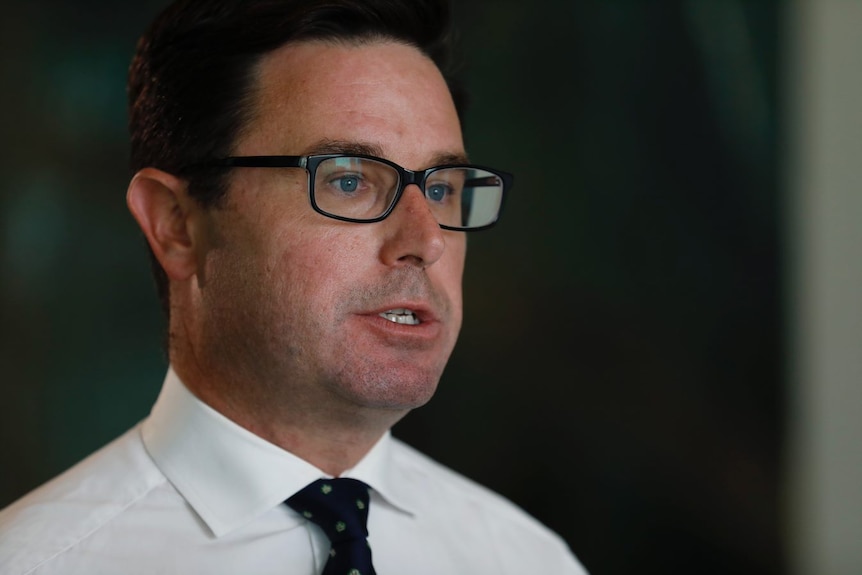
{"x": 401, "y": 315}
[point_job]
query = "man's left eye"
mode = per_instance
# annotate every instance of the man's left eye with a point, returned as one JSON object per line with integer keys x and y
{"x": 437, "y": 192}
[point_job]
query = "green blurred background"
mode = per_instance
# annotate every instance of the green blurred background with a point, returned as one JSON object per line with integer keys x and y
{"x": 621, "y": 369}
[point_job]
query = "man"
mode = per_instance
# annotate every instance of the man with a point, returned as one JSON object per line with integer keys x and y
{"x": 302, "y": 183}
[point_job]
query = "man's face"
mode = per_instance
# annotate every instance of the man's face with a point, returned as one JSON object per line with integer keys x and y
{"x": 292, "y": 300}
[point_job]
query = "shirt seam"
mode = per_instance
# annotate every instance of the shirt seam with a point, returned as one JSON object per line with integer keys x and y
{"x": 102, "y": 524}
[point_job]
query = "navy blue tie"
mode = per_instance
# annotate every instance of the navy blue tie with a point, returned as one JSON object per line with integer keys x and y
{"x": 340, "y": 508}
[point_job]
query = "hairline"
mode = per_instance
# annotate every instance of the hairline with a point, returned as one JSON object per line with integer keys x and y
{"x": 250, "y": 98}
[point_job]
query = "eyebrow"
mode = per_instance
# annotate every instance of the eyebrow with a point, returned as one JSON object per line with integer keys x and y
{"x": 369, "y": 149}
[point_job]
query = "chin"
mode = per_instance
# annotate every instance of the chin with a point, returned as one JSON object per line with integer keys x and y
{"x": 400, "y": 389}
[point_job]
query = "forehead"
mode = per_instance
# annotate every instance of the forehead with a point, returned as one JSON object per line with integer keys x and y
{"x": 382, "y": 94}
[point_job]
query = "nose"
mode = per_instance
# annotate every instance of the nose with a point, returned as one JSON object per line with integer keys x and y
{"x": 413, "y": 236}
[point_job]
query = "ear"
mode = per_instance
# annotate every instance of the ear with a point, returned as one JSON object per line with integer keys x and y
{"x": 160, "y": 203}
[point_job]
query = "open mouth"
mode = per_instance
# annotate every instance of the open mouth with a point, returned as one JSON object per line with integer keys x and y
{"x": 400, "y": 315}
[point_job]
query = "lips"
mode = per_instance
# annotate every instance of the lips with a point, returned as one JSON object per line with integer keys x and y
{"x": 401, "y": 315}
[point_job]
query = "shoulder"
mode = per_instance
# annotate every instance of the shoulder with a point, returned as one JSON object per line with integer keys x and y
{"x": 515, "y": 533}
{"x": 76, "y": 504}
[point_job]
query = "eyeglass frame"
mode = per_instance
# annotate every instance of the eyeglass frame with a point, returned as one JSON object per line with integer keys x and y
{"x": 406, "y": 177}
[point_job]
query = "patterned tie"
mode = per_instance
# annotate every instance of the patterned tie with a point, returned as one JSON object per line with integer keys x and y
{"x": 340, "y": 508}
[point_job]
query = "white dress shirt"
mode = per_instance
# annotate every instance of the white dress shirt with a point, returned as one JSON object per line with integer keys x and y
{"x": 188, "y": 491}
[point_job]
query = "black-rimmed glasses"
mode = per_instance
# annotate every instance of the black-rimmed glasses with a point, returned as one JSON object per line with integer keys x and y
{"x": 365, "y": 189}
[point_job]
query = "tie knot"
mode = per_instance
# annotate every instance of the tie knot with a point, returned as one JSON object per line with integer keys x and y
{"x": 339, "y": 506}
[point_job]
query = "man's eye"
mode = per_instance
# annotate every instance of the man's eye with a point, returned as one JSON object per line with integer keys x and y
{"x": 437, "y": 192}
{"x": 347, "y": 183}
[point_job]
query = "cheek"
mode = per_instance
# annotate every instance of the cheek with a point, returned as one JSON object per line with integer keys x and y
{"x": 317, "y": 263}
{"x": 323, "y": 251}
{"x": 252, "y": 265}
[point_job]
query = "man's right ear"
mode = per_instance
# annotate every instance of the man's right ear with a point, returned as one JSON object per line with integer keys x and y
{"x": 160, "y": 203}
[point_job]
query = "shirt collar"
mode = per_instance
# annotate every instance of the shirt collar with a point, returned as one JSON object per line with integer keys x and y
{"x": 379, "y": 469}
{"x": 228, "y": 474}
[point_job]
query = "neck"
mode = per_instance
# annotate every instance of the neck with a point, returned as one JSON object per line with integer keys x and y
{"x": 331, "y": 435}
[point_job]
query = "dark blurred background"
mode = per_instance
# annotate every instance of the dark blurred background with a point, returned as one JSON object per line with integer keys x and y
{"x": 620, "y": 372}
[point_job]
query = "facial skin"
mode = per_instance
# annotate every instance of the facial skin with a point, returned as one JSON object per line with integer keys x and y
{"x": 275, "y": 308}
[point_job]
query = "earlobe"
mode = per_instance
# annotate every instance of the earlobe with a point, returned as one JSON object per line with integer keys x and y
{"x": 160, "y": 203}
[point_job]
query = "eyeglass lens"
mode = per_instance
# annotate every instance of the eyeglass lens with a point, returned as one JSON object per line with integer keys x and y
{"x": 364, "y": 189}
